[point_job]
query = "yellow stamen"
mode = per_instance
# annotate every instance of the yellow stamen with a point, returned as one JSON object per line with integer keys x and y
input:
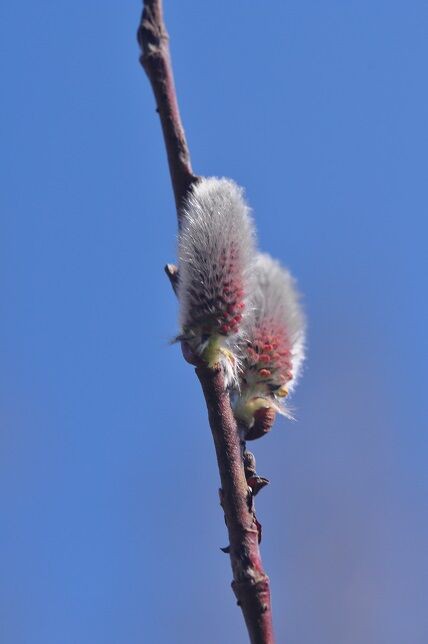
{"x": 282, "y": 392}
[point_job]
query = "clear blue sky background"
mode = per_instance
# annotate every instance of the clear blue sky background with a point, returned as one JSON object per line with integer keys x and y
{"x": 110, "y": 524}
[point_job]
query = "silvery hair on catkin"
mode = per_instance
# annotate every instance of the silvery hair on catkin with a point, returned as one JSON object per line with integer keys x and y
{"x": 276, "y": 300}
{"x": 216, "y": 255}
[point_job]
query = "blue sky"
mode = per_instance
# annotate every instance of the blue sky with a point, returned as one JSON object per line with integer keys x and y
{"x": 108, "y": 485}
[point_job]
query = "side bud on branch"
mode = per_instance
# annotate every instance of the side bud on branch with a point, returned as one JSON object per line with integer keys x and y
{"x": 216, "y": 255}
{"x": 272, "y": 348}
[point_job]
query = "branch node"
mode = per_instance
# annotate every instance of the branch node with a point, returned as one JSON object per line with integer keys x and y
{"x": 172, "y": 273}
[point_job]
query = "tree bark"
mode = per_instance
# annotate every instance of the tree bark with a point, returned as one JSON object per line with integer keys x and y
{"x": 155, "y": 58}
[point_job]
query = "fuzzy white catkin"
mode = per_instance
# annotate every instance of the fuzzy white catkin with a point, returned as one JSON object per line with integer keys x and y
{"x": 276, "y": 302}
{"x": 216, "y": 255}
{"x": 274, "y": 342}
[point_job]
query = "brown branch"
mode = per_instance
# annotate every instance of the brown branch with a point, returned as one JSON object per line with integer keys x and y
{"x": 250, "y": 583}
{"x": 155, "y": 58}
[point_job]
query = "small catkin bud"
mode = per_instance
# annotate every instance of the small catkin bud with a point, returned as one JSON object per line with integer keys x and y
{"x": 273, "y": 348}
{"x": 216, "y": 255}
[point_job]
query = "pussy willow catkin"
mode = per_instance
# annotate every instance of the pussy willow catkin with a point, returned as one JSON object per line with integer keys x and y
{"x": 273, "y": 341}
{"x": 216, "y": 257}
